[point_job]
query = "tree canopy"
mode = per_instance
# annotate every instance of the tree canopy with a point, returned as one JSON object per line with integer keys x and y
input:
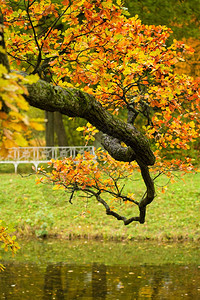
{"x": 96, "y": 63}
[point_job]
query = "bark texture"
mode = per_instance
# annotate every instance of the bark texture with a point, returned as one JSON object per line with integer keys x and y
{"x": 75, "y": 103}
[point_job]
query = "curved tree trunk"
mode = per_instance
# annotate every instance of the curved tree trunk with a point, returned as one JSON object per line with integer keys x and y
{"x": 75, "y": 103}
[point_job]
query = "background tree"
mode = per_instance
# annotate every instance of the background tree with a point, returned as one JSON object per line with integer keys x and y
{"x": 181, "y": 16}
{"x": 102, "y": 63}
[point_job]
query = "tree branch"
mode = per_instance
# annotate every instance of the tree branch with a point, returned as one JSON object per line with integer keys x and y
{"x": 111, "y": 212}
{"x": 75, "y": 103}
{"x": 127, "y": 154}
{"x": 116, "y": 150}
{"x": 149, "y": 195}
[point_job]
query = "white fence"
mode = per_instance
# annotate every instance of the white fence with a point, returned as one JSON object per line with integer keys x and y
{"x": 41, "y": 155}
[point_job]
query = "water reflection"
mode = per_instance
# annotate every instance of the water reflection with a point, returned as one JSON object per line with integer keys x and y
{"x": 76, "y": 270}
{"x": 99, "y": 284}
{"x": 98, "y": 281}
{"x": 53, "y": 283}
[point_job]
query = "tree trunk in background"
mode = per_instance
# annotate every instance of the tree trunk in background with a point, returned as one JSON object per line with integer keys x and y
{"x": 49, "y": 128}
{"x": 60, "y": 129}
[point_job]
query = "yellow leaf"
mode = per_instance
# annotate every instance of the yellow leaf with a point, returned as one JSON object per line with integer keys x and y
{"x": 22, "y": 103}
{"x": 80, "y": 128}
{"x": 37, "y": 126}
{"x": 15, "y": 126}
{"x": 9, "y": 143}
{"x": 107, "y": 4}
{"x": 20, "y": 140}
{"x": 192, "y": 124}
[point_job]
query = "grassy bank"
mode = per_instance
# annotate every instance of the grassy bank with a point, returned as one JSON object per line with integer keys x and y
{"x": 37, "y": 210}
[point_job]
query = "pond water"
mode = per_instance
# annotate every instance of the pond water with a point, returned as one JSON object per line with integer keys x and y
{"x": 101, "y": 270}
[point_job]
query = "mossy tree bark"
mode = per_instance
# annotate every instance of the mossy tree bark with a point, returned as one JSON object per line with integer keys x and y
{"x": 75, "y": 103}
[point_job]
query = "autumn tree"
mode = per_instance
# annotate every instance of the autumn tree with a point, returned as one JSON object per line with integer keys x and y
{"x": 116, "y": 73}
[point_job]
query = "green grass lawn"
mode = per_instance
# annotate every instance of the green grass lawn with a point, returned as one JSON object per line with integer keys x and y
{"x": 38, "y": 210}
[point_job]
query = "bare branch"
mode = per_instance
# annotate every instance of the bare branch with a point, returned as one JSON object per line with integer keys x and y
{"x": 111, "y": 212}
{"x": 39, "y": 58}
